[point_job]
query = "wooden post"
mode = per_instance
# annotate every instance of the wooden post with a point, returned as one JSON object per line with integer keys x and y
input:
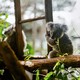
{"x": 19, "y": 36}
{"x": 48, "y": 15}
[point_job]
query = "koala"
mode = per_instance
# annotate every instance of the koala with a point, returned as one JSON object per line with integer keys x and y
{"x": 58, "y": 39}
{"x": 10, "y": 37}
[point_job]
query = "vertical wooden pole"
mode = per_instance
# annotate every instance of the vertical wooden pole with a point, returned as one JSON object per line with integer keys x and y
{"x": 48, "y": 15}
{"x": 18, "y": 27}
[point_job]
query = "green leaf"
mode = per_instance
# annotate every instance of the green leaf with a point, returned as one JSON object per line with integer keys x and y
{"x": 6, "y": 16}
{"x": 78, "y": 78}
{"x": 49, "y": 76}
{"x": 56, "y": 65}
{"x": 3, "y": 24}
{"x": 1, "y": 71}
{"x": 37, "y": 74}
{"x": 31, "y": 50}
{"x": 62, "y": 66}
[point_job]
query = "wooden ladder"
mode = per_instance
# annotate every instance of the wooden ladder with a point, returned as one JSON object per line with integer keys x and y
{"x": 18, "y": 22}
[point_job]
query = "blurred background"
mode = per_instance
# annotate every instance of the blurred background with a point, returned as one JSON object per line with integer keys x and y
{"x": 64, "y": 11}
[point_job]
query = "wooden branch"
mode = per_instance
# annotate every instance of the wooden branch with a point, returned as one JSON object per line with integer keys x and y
{"x": 33, "y": 19}
{"x": 18, "y": 28}
{"x": 48, "y": 10}
{"x": 12, "y": 62}
{"x": 48, "y": 16}
{"x": 71, "y": 60}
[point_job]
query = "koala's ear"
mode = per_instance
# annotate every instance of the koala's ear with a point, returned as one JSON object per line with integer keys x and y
{"x": 49, "y": 26}
{"x": 64, "y": 27}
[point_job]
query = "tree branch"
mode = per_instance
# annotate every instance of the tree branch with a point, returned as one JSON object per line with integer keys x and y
{"x": 71, "y": 60}
{"x": 12, "y": 62}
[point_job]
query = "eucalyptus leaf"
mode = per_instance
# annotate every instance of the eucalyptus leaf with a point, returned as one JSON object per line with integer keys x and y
{"x": 49, "y": 76}
{"x": 37, "y": 75}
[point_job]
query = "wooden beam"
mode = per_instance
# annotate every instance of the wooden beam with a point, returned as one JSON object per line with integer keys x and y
{"x": 12, "y": 62}
{"x": 69, "y": 61}
{"x": 48, "y": 10}
{"x": 19, "y": 36}
{"x": 32, "y": 19}
{"x": 48, "y": 15}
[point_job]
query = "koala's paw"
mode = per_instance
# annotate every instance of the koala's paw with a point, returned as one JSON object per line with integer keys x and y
{"x": 65, "y": 54}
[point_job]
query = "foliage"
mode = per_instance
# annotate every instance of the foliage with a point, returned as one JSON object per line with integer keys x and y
{"x": 37, "y": 75}
{"x": 29, "y": 52}
{"x": 30, "y": 49}
{"x": 1, "y": 72}
{"x": 59, "y": 72}
{"x": 3, "y": 23}
{"x": 48, "y": 76}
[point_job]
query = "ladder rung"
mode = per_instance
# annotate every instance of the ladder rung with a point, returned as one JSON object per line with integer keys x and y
{"x": 33, "y": 19}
